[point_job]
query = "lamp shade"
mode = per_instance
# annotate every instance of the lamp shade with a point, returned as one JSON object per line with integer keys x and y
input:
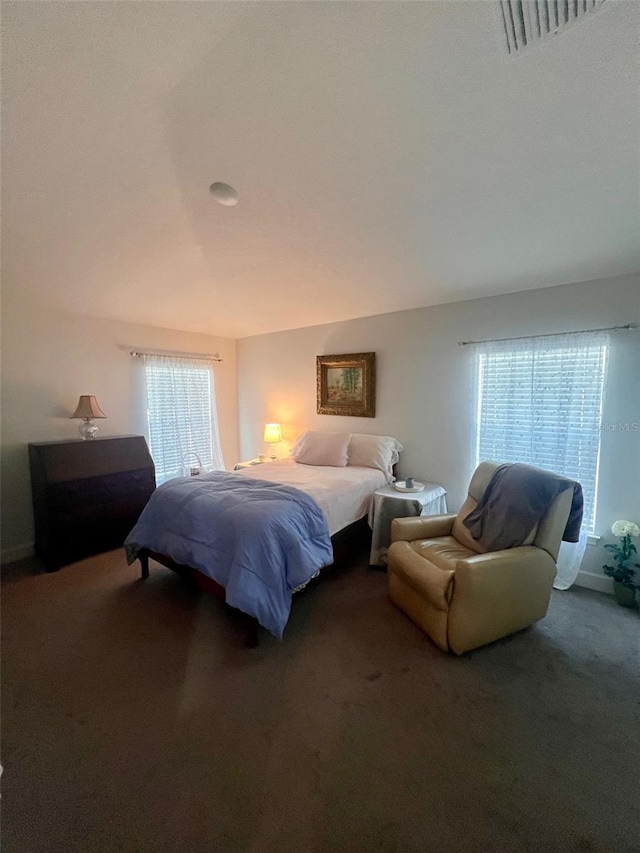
{"x": 272, "y": 433}
{"x": 88, "y": 408}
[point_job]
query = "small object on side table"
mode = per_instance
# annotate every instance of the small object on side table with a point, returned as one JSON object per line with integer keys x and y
{"x": 408, "y": 485}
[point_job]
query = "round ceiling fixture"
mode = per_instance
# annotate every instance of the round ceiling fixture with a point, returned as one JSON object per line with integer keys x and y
{"x": 224, "y": 194}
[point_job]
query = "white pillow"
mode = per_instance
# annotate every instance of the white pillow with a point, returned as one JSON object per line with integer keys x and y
{"x": 374, "y": 451}
{"x": 322, "y": 448}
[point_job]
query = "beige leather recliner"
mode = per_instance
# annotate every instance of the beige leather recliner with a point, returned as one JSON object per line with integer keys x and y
{"x": 461, "y": 597}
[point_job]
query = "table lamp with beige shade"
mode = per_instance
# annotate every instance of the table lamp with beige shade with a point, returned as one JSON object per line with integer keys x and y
{"x": 87, "y": 409}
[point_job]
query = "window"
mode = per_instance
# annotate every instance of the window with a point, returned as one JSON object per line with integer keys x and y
{"x": 540, "y": 402}
{"x": 181, "y": 411}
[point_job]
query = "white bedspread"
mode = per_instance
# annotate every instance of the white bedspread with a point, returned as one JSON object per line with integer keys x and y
{"x": 343, "y": 494}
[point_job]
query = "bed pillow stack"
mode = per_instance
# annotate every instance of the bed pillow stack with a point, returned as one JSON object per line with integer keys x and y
{"x": 338, "y": 449}
{"x": 374, "y": 451}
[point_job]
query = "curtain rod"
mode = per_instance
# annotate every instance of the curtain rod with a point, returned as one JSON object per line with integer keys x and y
{"x": 202, "y": 356}
{"x": 551, "y": 335}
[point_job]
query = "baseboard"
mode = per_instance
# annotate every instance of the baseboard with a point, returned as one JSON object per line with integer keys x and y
{"x": 19, "y": 552}
{"x": 599, "y": 582}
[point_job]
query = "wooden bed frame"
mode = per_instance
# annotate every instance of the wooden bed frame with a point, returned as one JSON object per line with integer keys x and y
{"x": 345, "y": 542}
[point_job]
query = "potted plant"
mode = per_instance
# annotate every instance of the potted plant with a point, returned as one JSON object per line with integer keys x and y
{"x": 623, "y": 572}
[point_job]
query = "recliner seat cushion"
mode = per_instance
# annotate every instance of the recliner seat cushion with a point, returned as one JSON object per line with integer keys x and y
{"x": 444, "y": 552}
{"x": 419, "y": 577}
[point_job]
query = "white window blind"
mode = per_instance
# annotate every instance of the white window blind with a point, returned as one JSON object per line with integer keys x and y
{"x": 540, "y": 402}
{"x": 182, "y": 416}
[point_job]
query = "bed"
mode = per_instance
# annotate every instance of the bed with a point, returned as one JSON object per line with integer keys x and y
{"x": 256, "y": 536}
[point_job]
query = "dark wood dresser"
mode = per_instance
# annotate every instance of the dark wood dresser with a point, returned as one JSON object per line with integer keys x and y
{"x": 87, "y": 495}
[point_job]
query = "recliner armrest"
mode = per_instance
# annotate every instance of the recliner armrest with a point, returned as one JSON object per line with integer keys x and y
{"x": 520, "y": 552}
{"x": 498, "y": 593}
{"x": 486, "y": 569}
{"x": 422, "y": 527}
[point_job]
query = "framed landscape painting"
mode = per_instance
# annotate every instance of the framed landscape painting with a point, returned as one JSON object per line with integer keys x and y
{"x": 346, "y": 384}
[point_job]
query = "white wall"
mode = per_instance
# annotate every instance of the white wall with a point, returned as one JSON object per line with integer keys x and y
{"x": 424, "y": 384}
{"x": 50, "y": 357}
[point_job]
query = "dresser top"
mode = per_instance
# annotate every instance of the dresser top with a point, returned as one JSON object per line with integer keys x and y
{"x": 80, "y": 440}
{"x": 63, "y": 461}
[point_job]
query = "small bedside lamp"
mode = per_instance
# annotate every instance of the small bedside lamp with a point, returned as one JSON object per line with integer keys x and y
{"x": 86, "y": 409}
{"x": 272, "y": 435}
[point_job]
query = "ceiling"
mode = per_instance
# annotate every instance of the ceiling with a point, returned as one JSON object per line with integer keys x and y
{"x": 388, "y": 155}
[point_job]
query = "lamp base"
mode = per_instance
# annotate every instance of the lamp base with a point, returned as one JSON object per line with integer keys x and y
{"x": 88, "y": 430}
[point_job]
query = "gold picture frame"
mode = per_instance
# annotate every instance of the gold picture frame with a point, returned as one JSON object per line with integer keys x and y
{"x": 346, "y": 384}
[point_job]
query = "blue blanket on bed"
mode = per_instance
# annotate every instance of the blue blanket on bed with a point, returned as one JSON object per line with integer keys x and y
{"x": 259, "y": 540}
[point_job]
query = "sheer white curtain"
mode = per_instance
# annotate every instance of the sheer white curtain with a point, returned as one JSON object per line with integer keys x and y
{"x": 569, "y": 561}
{"x": 539, "y": 401}
{"x": 182, "y": 415}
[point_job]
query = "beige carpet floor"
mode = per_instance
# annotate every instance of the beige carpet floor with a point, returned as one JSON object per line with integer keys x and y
{"x": 134, "y": 720}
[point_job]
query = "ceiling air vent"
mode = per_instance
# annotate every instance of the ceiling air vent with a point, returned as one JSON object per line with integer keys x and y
{"x": 528, "y": 22}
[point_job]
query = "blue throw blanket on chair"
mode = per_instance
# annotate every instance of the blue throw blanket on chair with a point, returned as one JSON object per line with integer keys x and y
{"x": 515, "y": 501}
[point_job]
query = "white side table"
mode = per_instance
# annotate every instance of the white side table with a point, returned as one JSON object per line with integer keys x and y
{"x": 388, "y": 503}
